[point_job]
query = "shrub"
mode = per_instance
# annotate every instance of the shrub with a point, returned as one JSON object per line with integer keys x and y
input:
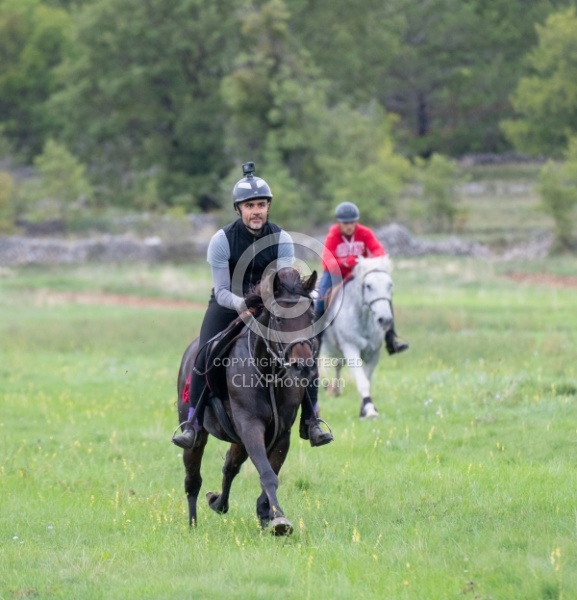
{"x": 558, "y": 189}
{"x": 7, "y": 192}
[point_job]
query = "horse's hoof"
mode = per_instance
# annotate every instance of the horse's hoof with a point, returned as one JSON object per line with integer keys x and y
{"x": 281, "y": 526}
{"x": 369, "y": 411}
{"x": 213, "y": 499}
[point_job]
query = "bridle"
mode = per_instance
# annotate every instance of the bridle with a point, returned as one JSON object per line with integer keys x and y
{"x": 277, "y": 349}
{"x": 370, "y": 303}
{"x": 279, "y": 360}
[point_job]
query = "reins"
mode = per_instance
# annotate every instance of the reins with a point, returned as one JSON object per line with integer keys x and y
{"x": 280, "y": 361}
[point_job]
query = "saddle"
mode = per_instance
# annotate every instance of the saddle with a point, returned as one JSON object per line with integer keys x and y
{"x": 217, "y": 348}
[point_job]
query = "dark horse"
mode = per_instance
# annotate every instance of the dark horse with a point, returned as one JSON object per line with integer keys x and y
{"x": 255, "y": 393}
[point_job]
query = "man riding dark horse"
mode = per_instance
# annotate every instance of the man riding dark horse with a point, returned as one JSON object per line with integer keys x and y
{"x": 228, "y": 247}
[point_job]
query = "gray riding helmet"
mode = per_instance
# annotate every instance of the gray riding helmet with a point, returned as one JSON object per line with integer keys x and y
{"x": 347, "y": 212}
{"x": 250, "y": 186}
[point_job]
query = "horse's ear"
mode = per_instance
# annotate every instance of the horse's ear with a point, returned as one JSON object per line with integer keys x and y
{"x": 311, "y": 282}
{"x": 276, "y": 284}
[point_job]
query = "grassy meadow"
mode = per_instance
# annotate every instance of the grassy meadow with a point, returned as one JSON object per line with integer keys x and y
{"x": 464, "y": 487}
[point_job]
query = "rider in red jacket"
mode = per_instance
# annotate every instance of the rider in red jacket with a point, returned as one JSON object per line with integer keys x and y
{"x": 346, "y": 241}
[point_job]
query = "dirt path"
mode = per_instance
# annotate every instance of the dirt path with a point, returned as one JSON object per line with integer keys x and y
{"x": 47, "y": 297}
{"x": 545, "y": 279}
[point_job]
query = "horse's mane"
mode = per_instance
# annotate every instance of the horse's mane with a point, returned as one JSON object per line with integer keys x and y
{"x": 286, "y": 279}
{"x": 365, "y": 265}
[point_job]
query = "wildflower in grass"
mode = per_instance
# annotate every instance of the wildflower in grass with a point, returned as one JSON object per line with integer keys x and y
{"x": 555, "y": 559}
{"x": 356, "y": 536}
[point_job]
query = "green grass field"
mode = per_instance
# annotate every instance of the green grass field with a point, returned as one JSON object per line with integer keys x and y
{"x": 464, "y": 488}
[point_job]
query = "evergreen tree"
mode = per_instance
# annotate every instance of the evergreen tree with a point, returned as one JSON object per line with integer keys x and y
{"x": 282, "y": 117}
{"x": 33, "y": 39}
{"x": 142, "y": 97}
{"x": 546, "y": 100}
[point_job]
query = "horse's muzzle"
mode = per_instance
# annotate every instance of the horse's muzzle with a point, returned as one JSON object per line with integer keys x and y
{"x": 303, "y": 368}
{"x": 384, "y": 322}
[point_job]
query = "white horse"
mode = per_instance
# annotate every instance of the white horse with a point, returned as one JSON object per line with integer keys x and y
{"x": 359, "y": 317}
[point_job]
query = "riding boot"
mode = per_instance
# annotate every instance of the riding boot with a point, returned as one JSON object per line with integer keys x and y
{"x": 189, "y": 437}
{"x": 393, "y": 344}
{"x": 310, "y": 424}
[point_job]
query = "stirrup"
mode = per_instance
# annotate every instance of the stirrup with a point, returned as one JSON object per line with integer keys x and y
{"x": 323, "y": 438}
{"x": 186, "y": 440}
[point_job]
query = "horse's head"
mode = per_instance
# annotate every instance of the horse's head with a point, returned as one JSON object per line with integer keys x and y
{"x": 285, "y": 321}
{"x": 376, "y": 288}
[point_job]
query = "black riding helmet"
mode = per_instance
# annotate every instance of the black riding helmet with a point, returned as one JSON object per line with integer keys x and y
{"x": 250, "y": 187}
{"x": 347, "y": 212}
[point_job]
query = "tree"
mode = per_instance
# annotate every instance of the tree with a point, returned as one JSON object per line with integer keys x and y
{"x": 445, "y": 67}
{"x": 281, "y": 116}
{"x": 60, "y": 184}
{"x": 546, "y": 100}
{"x": 142, "y": 97}
{"x": 33, "y": 39}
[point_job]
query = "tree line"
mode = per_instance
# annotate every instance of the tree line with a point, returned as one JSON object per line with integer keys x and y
{"x": 154, "y": 104}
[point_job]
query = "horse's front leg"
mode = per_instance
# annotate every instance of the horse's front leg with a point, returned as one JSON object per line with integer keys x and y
{"x": 279, "y": 524}
{"x": 192, "y": 459}
{"x": 268, "y": 507}
{"x": 362, "y": 381}
{"x": 235, "y": 457}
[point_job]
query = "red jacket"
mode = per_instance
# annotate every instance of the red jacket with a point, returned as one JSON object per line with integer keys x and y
{"x": 340, "y": 253}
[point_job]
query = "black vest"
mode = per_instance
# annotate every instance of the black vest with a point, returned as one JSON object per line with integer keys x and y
{"x": 239, "y": 240}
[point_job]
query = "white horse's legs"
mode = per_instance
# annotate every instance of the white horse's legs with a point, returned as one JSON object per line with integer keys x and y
{"x": 356, "y": 367}
{"x": 368, "y": 410}
{"x": 362, "y": 373}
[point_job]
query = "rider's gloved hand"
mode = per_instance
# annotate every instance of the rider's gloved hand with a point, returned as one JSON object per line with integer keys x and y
{"x": 253, "y": 303}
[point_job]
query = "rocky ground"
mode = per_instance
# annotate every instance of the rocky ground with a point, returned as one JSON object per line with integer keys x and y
{"x": 399, "y": 241}
{"x": 20, "y": 250}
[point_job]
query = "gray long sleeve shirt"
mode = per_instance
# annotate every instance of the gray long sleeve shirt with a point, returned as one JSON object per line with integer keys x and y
{"x": 218, "y": 255}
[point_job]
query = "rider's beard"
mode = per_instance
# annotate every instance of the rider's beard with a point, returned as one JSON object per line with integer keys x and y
{"x": 258, "y": 228}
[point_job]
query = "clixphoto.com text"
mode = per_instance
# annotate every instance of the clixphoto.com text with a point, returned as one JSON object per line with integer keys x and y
{"x": 252, "y": 380}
